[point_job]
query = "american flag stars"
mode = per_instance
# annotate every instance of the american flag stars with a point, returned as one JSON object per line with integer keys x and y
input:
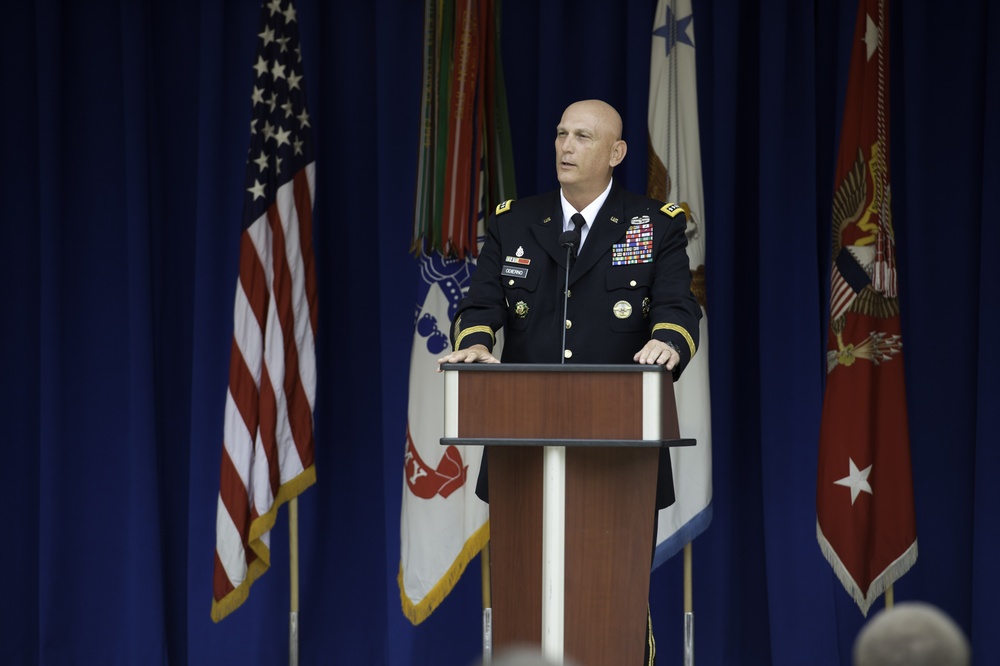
{"x": 279, "y": 129}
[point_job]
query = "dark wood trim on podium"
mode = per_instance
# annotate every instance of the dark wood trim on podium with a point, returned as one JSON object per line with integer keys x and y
{"x": 614, "y": 421}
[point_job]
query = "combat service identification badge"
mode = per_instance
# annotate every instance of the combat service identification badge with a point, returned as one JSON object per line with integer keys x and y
{"x": 623, "y": 309}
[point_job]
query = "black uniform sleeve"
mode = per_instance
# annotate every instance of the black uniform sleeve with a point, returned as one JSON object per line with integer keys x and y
{"x": 483, "y": 310}
{"x": 674, "y": 311}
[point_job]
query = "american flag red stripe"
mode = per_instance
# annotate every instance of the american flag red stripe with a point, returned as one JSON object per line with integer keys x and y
{"x": 268, "y": 445}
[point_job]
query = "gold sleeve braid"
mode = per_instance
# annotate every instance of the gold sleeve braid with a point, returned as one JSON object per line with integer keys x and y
{"x": 681, "y": 330}
{"x": 473, "y": 329}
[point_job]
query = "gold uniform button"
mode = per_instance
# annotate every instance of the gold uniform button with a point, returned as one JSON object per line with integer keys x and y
{"x": 511, "y": 283}
{"x": 569, "y": 324}
{"x": 568, "y": 353}
{"x": 632, "y": 283}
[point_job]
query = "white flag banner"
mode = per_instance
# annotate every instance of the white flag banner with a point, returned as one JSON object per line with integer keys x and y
{"x": 675, "y": 175}
{"x": 443, "y": 525}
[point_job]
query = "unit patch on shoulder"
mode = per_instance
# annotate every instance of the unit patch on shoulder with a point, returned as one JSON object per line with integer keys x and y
{"x": 672, "y": 209}
{"x": 505, "y": 206}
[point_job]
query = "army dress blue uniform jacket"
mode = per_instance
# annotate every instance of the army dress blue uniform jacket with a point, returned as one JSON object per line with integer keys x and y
{"x": 631, "y": 282}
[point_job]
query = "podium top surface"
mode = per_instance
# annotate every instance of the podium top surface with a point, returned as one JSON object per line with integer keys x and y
{"x": 551, "y": 367}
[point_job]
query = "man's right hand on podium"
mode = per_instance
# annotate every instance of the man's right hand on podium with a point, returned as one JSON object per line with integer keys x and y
{"x": 474, "y": 354}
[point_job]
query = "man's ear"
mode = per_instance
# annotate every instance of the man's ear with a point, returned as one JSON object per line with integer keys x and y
{"x": 618, "y": 150}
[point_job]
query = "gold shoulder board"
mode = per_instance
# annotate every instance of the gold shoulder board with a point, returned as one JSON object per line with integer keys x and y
{"x": 672, "y": 209}
{"x": 505, "y": 206}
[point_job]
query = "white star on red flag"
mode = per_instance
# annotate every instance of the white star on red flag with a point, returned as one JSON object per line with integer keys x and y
{"x": 856, "y": 480}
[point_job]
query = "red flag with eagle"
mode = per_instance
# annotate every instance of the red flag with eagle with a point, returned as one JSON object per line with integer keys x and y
{"x": 464, "y": 168}
{"x": 268, "y": 446}
{"x": 864, "y": 499}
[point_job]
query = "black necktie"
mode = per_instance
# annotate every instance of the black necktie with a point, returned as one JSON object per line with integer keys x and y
{"x": 578, "y": 224}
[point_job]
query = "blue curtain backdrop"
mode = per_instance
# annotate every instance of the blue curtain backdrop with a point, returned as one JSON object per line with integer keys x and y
{"x": 125, "y": 133}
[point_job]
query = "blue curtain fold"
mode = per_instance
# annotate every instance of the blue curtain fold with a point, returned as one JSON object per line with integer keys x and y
{"x": 985, "y": 496}
{"x": 122, "y": 174}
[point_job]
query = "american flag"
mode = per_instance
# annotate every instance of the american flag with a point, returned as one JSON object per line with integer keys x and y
{"x": 267, "y": 454}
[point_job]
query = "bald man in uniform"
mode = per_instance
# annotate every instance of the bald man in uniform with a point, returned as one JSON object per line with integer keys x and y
{"x": 629, "y": 283}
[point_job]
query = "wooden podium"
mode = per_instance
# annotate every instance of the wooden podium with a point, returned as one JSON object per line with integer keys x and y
{"x": 573, "y": 453}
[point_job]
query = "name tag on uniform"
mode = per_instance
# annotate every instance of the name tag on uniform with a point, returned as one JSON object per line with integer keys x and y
{"x": 514, "y": 271}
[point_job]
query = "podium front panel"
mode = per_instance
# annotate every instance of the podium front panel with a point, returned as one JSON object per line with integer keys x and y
{"x": 549, "y": 405}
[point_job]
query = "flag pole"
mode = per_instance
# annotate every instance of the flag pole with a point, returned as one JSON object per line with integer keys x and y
{"x": 889, "y": 600}
{"x": 293, "y": 558}
{"x": 688, "y": 608}
{"x": 484, "y": 555}
{"x": 484, "y": 560}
